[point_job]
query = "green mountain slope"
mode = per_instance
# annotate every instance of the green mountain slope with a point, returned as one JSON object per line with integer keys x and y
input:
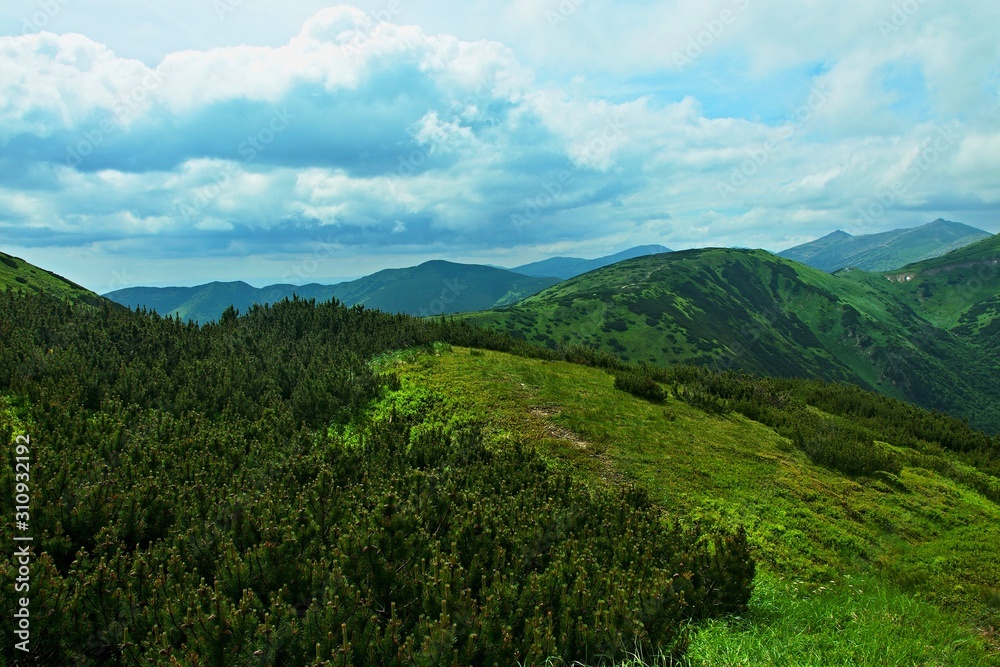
{"x": 759, "y": 313}
{"x": 947, "y": 289}
{"x": 311, "y": 483}
{"x": 851, "y": 569}
{"x": 432, "y": 288}
{"x": 437, "y": 287}
{"x": 570, "y": 267}
{"x": 17, "y": 274}
{"x": 885, "y": 251}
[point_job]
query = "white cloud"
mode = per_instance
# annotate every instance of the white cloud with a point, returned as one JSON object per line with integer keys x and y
{"x": 534, "y": 135}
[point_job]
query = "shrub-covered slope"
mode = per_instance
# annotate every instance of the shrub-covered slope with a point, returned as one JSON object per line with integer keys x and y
{"x": 231, "y": 495}
{"x": 874, "y": 523}
{"x": 753, "y": 311}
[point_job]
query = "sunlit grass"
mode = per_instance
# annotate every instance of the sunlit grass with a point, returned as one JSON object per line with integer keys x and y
{"x": 890, "y": 570}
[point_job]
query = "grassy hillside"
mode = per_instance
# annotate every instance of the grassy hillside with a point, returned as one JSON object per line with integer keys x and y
{"x": 433, "y": 288}
{"x": 946, "y": 290}
{"x": 316, "y": 484}
{"x": 886, "y": 251}
{"x": 893, "y": 568}
{"x": 236, "y": 494}
{"x": 753, "y": 311}
{"x": 19, "y": 275}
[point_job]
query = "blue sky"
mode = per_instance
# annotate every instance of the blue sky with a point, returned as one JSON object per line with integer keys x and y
{"x": 240, "y": 139}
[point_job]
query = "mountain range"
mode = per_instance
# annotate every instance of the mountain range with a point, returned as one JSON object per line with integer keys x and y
{"x": 925, "y": 333}
{"x": 885, "y": 251}
{"x": 432, "y": 288}
{"x": 869, "y": 527}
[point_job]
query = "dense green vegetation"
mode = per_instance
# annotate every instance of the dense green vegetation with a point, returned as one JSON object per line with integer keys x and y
{"x": 885, "y": 251}
{"x": 256, "y": 492}
{"x": 317, "y": 484}
{"x": 950, "y": 291}
{"x": 928, "y": 340}
{"x": 432, "y": 288}
{"x": 876, "y": 568}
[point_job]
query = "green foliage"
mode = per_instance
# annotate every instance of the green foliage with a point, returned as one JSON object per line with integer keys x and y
{"x": 928, "y": 537}
{"x": 841, "y": 450}
{"x": 231, "y": 495}
{"x": 640, "y": 384}
{"x": 758, "y": 313}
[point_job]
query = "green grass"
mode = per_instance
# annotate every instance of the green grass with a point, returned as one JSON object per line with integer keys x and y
{"x": 856, "y": 621}
{"x": 922, "y": 547}
{"x": 19, "y": 275}
{"x": 759, "y": 313}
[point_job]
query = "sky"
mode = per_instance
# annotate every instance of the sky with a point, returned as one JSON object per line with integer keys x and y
{"x": 150, "y": 143}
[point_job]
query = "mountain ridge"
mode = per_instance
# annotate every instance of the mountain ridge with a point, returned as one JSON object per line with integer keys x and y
{"x": 570, "y": 267}
{"x": 884, "y": 251}
{"x": 757, "y": 312}
{"x": 431, "y": 288}
{"x": 18, "y": 274}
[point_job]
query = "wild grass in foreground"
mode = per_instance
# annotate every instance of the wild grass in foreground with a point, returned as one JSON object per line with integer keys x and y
{"x": 850, "y": 623}
{"x": 913, "y": 554}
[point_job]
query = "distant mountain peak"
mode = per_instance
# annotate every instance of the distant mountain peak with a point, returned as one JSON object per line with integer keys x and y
{"x": 885, "y": 251}
{"x": 437, "y": 262}
{"x": 570, "y": 267}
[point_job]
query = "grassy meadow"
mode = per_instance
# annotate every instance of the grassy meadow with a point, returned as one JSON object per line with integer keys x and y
{"x": 876, "y": 570}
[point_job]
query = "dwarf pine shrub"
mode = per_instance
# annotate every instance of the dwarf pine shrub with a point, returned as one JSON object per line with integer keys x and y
{"x": 191, "y": 504}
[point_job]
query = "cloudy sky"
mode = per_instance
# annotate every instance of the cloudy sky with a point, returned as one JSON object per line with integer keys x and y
{"x": 151, "y": 143}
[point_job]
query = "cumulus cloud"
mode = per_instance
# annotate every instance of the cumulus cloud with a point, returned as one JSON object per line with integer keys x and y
{"x": 369, "y": 134}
